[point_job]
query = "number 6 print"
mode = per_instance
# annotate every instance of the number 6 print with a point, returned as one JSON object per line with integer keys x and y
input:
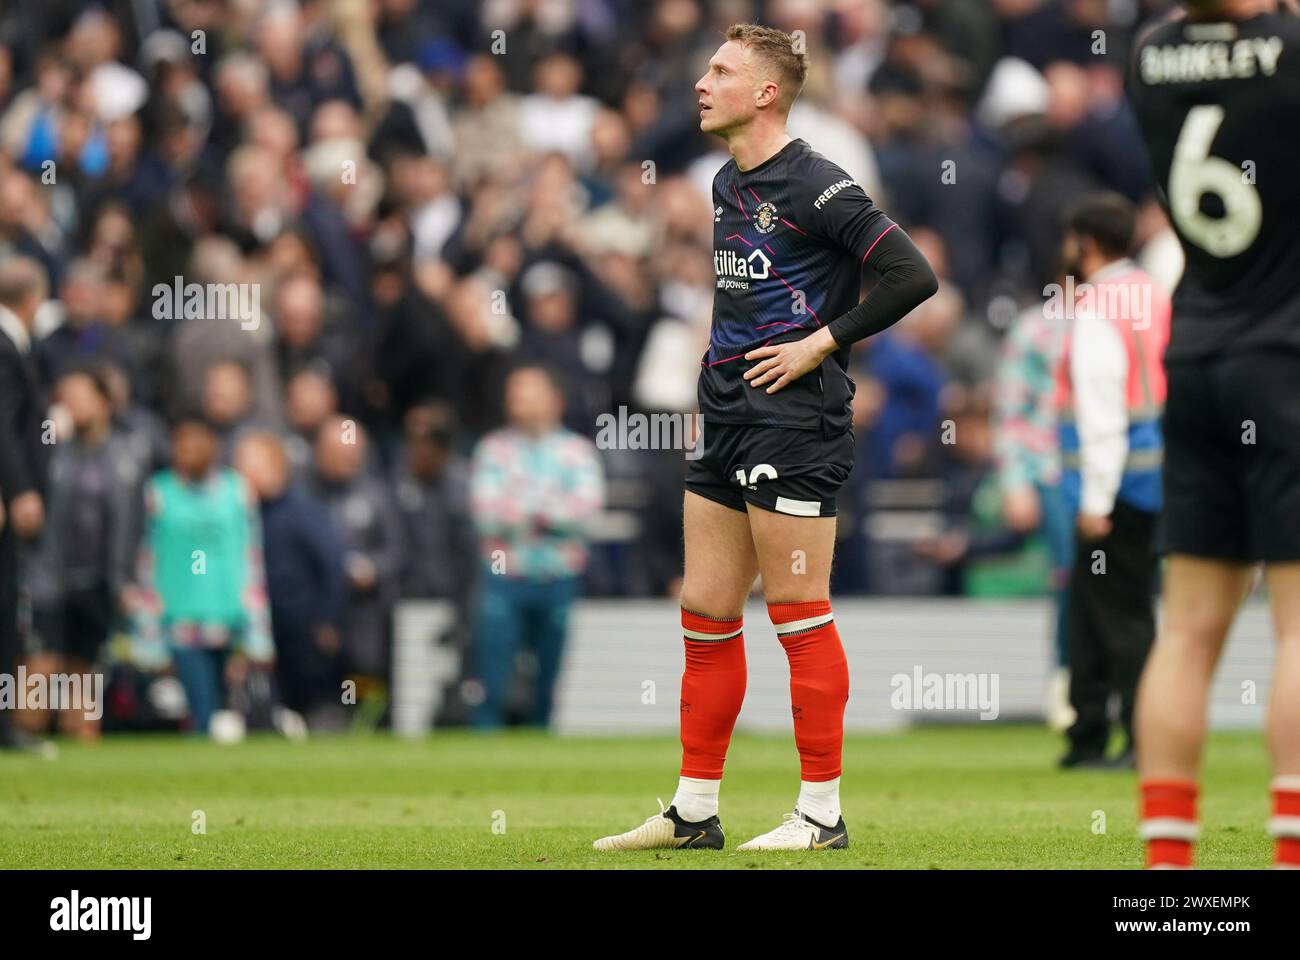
{"x": 1196, "y": 172}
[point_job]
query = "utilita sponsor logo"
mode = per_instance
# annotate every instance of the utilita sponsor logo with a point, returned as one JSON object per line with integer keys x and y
{"x": 733, "y": 270}
{"x": 102, "y": 914}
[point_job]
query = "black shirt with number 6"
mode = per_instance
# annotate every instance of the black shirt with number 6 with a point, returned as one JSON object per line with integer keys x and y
{"x": 1219, "y": 108}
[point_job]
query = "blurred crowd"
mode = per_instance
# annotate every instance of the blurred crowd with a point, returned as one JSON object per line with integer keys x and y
{"x": 426, "y": 195}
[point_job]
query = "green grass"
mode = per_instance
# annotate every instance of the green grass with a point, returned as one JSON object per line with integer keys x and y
{"x": 949, "y": 798}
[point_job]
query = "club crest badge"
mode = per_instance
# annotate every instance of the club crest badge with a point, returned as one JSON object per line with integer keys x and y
{"x": 765, "y": 217}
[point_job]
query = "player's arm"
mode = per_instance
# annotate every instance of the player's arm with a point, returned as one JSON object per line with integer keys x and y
{"x": 848, "y": 219}
{"x": 1099, "y": 371}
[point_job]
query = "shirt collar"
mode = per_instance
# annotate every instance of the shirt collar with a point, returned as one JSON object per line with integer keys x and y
{"x": 12, "y": 327}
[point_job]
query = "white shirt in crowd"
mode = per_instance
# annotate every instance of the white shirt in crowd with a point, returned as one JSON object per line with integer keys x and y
{"x": 1099, "y": 374}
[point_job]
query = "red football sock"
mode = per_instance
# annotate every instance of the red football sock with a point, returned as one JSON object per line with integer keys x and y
{"x": 1168, "y": 822}
{"x": 819, "y": 684}
{"x": 1285, "y": 825}
{"x": 713, "y": 688}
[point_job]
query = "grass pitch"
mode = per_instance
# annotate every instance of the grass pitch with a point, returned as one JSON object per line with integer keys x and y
{"x": 950, "y": 798}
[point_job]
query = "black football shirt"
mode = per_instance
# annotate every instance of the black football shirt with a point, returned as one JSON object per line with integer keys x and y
{"x": 1219, "y": 108}
{"x": 790, "y": 237}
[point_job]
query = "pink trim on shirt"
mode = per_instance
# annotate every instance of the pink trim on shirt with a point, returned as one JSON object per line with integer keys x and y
{"x": 876, "y": 241}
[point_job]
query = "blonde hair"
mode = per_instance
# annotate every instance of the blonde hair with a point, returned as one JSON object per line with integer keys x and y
{"x": 779, "y": 50}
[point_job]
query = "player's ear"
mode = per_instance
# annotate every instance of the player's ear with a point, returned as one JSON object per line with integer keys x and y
{"x": 768, "y": 92}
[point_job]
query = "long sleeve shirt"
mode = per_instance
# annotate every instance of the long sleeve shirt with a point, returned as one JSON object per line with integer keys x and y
{"x": 533, "y": 499}
{"x": 1026, "y": 445}
{"x": 1099, "y": 372}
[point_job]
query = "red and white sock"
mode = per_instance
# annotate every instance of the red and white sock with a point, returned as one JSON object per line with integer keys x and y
{"x": 1284, "y": 827}
{"x": 819, "y": 689}
{"x": 1169, "y": 822}
{"x": 713, "y": 689}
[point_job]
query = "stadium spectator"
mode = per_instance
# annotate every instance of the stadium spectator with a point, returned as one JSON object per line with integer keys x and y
{"x": 87, "y": 550}
{"x": 486, "y": 125}
{"x": 552, "y": 336}
{"x": 907, "y": 362}
{"x": 414, "y": 358}
{"x": 199, "y": 597}
{"x": 143, "y": 427}
{"x": 535, "y": 487}
{"x": 364, "y": 512}
{"x": 966, "y": 471}
{"x": 310, "y": 399}
{"x": 84, "y": 335}
{"x": 228, "y": 405}
{"x": 305, "y": 67}
{"x": 197, "y": 342}
{"x": 1028, "y": 462}
{"x": 433, "y": 495}
{"x": 557, "y": 116}
{"x": 23, "y": 457}
{"x": 305, "y": 336}
{"x": 1110, "y": 392}
{"x": 305, "y": 583}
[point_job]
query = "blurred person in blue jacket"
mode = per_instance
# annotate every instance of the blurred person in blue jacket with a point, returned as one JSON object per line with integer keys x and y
{"x": 305, "y": 583}
{"x": 364, "y": 511}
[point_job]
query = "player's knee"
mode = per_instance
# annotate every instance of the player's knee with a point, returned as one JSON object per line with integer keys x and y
{"x": 714, "y": 611}
{"x": 711, "y": 602}
{"x": 1195, "y": 637}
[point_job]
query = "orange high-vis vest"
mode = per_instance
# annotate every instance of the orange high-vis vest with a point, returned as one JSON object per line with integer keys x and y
{"x": 1139, "y": 311}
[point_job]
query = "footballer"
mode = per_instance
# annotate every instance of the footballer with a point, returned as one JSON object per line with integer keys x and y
{"x": 791, "y": 234}
{"x": 1217, "y": 94}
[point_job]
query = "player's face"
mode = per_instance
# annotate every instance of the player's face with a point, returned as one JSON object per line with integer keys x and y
{"x": 726, "y": 91}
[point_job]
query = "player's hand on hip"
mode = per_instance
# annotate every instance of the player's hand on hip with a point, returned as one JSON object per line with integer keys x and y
{"x": 783, "y": 364}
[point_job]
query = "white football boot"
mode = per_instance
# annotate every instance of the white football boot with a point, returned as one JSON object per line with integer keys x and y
{"x": 798, "y": 832}
{"x": 667, "y": 831}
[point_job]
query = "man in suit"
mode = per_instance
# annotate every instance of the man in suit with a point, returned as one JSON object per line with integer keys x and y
{"x": 23, "y": 287}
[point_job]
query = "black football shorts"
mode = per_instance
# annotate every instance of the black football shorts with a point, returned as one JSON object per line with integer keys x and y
{"x": 786, "y": 470}
{"x": 1232, "y": 458}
